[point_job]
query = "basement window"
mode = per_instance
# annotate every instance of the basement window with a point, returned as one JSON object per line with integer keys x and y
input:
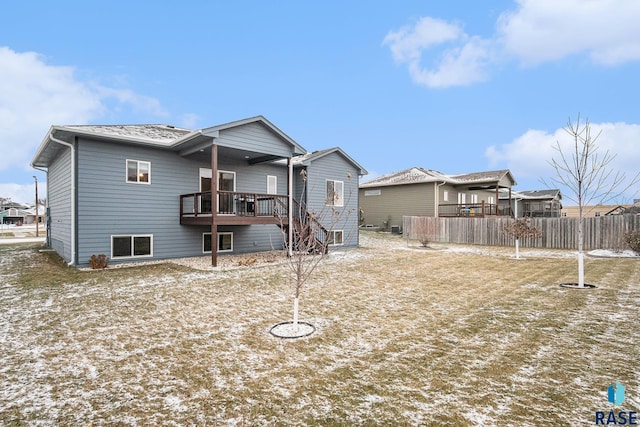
{"x": 132, "y": 246}
{"x": 225, "y": 242}
{"x": 336, "y": 237}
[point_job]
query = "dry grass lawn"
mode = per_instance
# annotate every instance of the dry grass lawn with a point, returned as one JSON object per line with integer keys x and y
{"x": 405, "y": 336}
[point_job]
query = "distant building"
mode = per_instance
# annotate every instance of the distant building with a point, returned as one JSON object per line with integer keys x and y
{"x": 534, "y": 203}
{"x": 424, "y": 192}
{"x": 596, "y": 210}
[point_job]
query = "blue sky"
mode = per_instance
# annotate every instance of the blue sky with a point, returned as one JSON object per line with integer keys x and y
{"x": 454, "y": 86}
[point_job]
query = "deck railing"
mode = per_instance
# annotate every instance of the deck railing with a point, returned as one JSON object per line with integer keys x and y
{"x": 233, "y": 203}
{"x": 481, "y": 209}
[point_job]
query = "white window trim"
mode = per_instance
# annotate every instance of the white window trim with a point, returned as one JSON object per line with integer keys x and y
{"x": 474, "y": 198}
{"x": 218, "y": 236}
{"x": 235, "y": 183}
{"x": 132, "y": 236}
{"x": 340, "y": 199}
{"x": 138, "y": 162}
{"x": 272, "y": 184}
{"x": 333, "y": 232}
{"x": 376, "y": 192}
{"x": 462, "y": 198}
{"x": 445, "y": 195}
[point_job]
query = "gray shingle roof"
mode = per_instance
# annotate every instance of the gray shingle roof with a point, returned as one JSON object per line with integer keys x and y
{"x": 309, "y": 157}
{"x": 417, "y": 175}
{"x": 151, "y": 133}
{"x": 541, "y": 194}
{"x": 481, "y": 176}
{"x": 413, "y": 175}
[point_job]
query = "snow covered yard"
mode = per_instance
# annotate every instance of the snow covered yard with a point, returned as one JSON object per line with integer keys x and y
{"x": 443, "y": 336}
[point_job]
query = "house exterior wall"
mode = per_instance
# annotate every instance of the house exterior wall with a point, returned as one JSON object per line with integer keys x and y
{"x": 393, "y": 202}
{"x": 59, "y": 201}
{"x": 108, "y": 205}
{"x": 253, "y": 137}
{"x": 335, "y": 167}
{"x": 253, "y": 178}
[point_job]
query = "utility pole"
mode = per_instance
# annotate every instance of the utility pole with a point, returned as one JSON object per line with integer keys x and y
{"x": 37, "y": 209}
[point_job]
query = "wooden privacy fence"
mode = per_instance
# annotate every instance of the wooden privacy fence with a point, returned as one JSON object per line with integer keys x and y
{"x": 605, "y": 232}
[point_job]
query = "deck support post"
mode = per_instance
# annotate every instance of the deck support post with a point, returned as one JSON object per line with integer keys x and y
{"x": 510, "y": 207}
{"x": 214, "y": 204}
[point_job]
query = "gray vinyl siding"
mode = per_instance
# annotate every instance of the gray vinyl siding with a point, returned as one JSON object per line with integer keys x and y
{"x": 387, "y": 209}
{"x": 250, "y": 238}
{"x": 299, "y": 188}
{"x": 253, "y": 178}
{"x": 334, "y": 167}
{"x": 59, "y": 201}
{"x": 254, "y": 137}
{"x": 108, "y": 205}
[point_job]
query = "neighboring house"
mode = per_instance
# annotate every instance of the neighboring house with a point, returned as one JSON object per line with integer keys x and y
{"x": 534, "y": 203}
{"x": 599, "y": 210}
{"x": 423, "y": 192}
{"x": 141, "y": 192}
{"x": 21, "y": 215}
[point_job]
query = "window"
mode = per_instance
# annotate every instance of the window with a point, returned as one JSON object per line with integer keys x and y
{"x": 131, "y": 246}
{"x": 445, "y": 196}
{"x": 372, "y": 193}
{"x": 474, "y": 198}
{"x": 335, "y": 193}
{"x": 225, "y": 242}
{"x": 138, "y": 172}
{"x": 462, "y": 198}
{"x": 336, "y": 237}
{"x": 491, "y": 200}
{"x": 272, "y": 184}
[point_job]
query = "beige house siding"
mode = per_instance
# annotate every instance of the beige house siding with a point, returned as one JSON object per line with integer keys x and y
{"x": 588, "y": 211}
{"x": 385, "y": 206}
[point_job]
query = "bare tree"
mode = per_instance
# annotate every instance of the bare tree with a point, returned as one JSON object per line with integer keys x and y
{"x": 313, "y": 233}
{"x": 588, "y": 176}
{"x": 519, "y": 229}
{"x": 425, "y": 230}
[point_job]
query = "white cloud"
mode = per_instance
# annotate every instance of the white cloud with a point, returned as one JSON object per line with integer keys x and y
{"x": 35, "y": 95}
{"x": 23, "y": 193}
{"x": 528, "y": 155}
{"x": 547, "y": 30}
{"x": 140, "y": 103}
{"x": 536, "y": 31}
{"x": 462, "y": 61}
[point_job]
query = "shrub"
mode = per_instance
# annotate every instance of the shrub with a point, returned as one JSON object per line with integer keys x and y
{"x": 98, "y": 261}
{"x": 425, "y": 230}
{"x": 521, "y": 228}
{"x": 632, "y": 239}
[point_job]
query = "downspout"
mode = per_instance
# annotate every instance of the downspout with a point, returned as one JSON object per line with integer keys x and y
{"x": 73, "y": 194}
{"x": 515, "y": 208}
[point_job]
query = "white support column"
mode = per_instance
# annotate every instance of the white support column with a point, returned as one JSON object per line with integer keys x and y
{"x": 290, "y": 206}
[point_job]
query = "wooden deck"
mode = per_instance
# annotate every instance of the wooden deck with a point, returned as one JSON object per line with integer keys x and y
{"x": 234, "y": 208}
{"x": 473, "y": 210}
